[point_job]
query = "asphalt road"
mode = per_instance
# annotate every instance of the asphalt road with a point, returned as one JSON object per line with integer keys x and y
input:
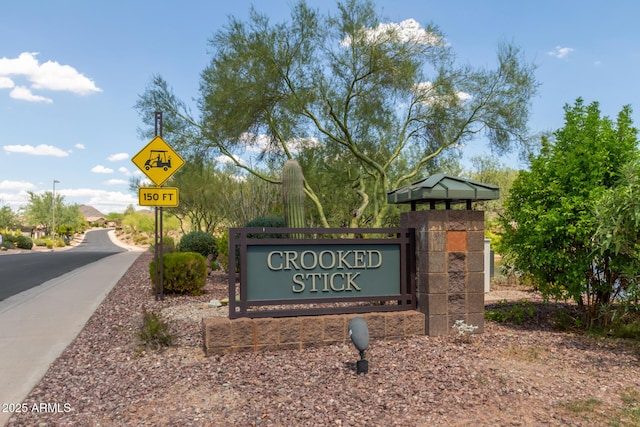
{"x": 19, "y": 272}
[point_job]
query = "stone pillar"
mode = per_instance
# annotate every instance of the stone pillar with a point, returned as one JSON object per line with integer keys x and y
{"x": 450, "y": 267}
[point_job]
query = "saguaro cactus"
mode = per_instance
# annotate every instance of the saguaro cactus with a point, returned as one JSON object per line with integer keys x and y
{"x": 293, "y": 195}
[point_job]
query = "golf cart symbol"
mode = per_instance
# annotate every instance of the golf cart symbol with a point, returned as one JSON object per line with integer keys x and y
{"x": 158, "y": 159}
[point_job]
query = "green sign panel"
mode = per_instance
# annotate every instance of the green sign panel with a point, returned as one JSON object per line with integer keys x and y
{"x": 289, "y": 272}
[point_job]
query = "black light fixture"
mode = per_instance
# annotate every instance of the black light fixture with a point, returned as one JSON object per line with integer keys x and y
{"x": 359, "y": 334}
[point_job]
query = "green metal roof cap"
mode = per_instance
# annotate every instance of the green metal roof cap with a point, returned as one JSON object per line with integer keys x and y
{"x": 443, "y": 188}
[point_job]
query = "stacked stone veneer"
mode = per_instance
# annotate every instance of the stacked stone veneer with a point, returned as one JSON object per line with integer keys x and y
{"x": 449, "y": 267}
{"x": 223, "y": 335}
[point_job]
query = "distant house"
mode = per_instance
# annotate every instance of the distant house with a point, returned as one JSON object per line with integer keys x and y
{"x": 93, "y": 216}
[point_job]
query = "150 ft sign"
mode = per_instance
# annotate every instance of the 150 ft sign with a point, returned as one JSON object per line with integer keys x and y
{"x": 158, "y": 196}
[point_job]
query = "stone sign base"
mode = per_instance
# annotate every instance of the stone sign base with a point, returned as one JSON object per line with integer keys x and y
{"x": 223, "y": 335}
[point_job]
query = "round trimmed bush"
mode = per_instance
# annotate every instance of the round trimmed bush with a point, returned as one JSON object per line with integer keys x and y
{"x": 267, "y": 221}
{"x": 199, "y": 241}
{"x": 24, "y": 242}
{"x": 183, "y": 273}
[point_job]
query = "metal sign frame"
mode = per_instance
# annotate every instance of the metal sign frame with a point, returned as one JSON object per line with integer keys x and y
{"x": 241, "y": 239}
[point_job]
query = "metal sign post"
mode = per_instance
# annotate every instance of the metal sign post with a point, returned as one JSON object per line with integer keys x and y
{"x": 158, "y": 238}
{"x": 158, "y": 161}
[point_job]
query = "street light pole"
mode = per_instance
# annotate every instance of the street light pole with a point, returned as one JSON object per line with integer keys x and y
{"x": 53, "y": 208}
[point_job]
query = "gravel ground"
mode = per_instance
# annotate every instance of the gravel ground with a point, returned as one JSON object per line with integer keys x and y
{"x": 526, "y": 374}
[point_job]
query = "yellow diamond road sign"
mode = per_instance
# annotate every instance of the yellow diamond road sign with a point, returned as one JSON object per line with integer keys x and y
{"x": 158, "y": 161}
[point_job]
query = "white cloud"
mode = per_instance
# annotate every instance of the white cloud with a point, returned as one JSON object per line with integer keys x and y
{"x": 116, "y": 182}
{"x": 124, "y": 171}
{"x": 407, "y": 31}
{"x": 101, "y": 169}
{"x": 14, "y": 200}
{"x": 50, "y": 75}
{"x": 6, "y": 83}
{"x": 463, "y": 96}
{"x": 102, "y": 200}
{"x": 24, "y": 94}
{"x": 40, "y": 150}
{"x": 80, "y": 146}
{"x": 298, "y": 144}
{"x": 227, "y": 160}
{"x": 117, "y": 157}
{"x": 560, "y": 52}
{"x": 16, "y": 185}
{"x": 145, "y": 182}
{"x": 260, "y": 143}
{"x": 425, "y": 89}
{"x": 53, "y": 76}
{"x": 253, "y": 143}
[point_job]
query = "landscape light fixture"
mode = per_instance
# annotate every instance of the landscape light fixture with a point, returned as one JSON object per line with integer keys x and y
{"x": 359, "y": 334}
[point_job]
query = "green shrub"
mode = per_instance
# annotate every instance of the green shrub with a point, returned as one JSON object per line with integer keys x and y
{"x": 199, "y": 241}
{"x": 222, "y": 243}
{"x": 510, "y": 312}
{"x": 60, "y": 243}
{"x": 267, "y": 221}
{"x": 154, "y": 332}
{"x": 6, "y": 244}
{"x": 24, "y": 242}
{"x": 628, "y": 330}
{"x": 183, "y": 273}
{"x": 141, "y": 240}
{"x": 9, "y": 238}
{"x": 40, "y": 242}
{"x": 564, "y": 321}
{"x": 168, "y": 245}
{"x": 49, "y": 243}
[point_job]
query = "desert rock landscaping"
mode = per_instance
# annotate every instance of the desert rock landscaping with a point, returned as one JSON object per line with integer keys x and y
{"x": 526, "y": 374}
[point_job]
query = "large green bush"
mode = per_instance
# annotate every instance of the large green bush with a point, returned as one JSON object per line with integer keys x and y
{"x": 267, "y": 221}
{"x": 550, "y": 218}
{"x": 183, "y": 273}
{"x": 24, "y": 242}
{"x": 9, "y": 238}
{"x": 199, "y": 241}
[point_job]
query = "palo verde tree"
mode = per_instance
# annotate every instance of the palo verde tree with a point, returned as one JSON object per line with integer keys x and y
{"x": 70, "y": 220}
{"x": 549, "y": 217}
{"x": 39, "y": 211}
{"x": 372, "y": 104}
{"x": 8, "y": 219}
{"x": 200, "y": 185}
{"x": 213, "y": 195}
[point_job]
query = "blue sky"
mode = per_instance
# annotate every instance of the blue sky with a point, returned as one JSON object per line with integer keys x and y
{"x": 71, "y": 72}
